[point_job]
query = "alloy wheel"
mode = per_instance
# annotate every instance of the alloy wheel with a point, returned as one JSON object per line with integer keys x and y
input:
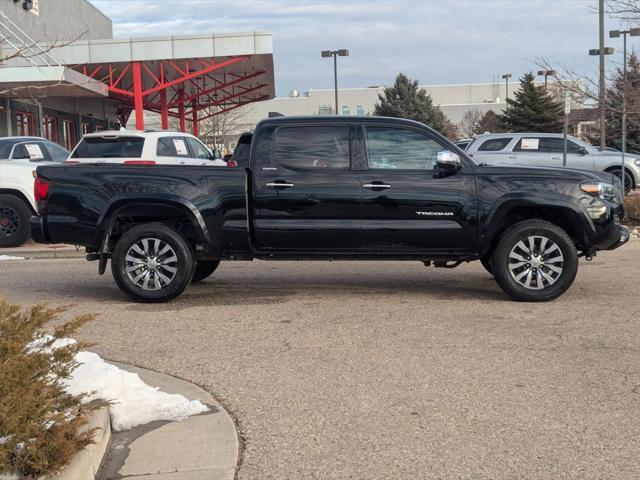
{"x": 151, "y": 263}
{"x": 536, "y": 262}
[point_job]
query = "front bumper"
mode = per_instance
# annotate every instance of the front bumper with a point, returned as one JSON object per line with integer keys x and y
{"x": 39, "y": 230}
{"x": 613, "y": 237}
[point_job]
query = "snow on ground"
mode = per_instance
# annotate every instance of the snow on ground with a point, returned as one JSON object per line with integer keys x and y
{"x": 133, "y": 402}
{"x": 10, "y": 257}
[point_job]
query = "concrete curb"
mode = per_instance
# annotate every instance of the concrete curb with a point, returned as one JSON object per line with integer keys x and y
{"x": 201, "y": 446}
{"x": 43, "y": 253}
{"x": 87, "y": 462}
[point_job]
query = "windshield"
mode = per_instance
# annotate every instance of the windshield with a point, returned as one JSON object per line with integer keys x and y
{"x": 109, "y": 147}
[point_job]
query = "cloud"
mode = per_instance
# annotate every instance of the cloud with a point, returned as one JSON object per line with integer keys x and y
{"x": 437, "y": 41}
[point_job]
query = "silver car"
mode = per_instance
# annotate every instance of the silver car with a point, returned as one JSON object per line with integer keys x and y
{"x": 545, "y": 149}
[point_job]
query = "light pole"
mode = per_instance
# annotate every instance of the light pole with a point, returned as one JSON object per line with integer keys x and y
{"x": 546, "y": 73}
{"x": 633, "y": 32}
{"x": 335, "y": 54}
{"x": 506, "y": 78}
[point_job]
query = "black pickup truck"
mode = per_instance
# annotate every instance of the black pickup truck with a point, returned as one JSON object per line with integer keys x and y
{"x": 332, "y": 188}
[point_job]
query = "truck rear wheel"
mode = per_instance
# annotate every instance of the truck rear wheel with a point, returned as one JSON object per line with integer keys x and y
{"x": 535, "y": 261}
{"x": 14, "y": 221}
{"x": 152, "y": 263}
{"x": 204, "y": 268}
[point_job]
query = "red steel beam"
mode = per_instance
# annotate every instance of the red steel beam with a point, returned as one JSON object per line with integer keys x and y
{"x": 195, "y": 74}
{"x": 138, "y": 95}
{"x": 221, "y": 86}
{"x": 237, "y": 105}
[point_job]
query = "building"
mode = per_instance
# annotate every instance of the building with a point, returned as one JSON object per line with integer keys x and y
{"x": 62, "y": 74}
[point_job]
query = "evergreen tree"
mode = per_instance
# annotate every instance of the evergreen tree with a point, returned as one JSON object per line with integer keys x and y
{"x": 532, "y": 110}
{"x": 405, "y": 99}
{"x": 615, "y": 100}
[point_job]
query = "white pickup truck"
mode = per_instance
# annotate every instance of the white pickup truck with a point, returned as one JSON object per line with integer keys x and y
{"x": 19, "y": 157}
{"x": 143, "y": 147}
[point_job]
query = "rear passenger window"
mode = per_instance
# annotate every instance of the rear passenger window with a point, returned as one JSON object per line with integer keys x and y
{"x": 528, "y": 145}
{"x": 312, "y": 147}
{"x": 172, "y": 147}
{"x": 494, "y": 145}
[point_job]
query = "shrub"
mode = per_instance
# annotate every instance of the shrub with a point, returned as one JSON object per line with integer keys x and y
{"x": 632, "y": 208}
{"x": 39, "y": 422}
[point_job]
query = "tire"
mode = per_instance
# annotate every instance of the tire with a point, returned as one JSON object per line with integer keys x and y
{"x": 487, "y": 263}
{"x": 14, "y": 221}
{"x": 152, "y": 263}
{"x": 203, "y": 269}
{"x": 531, "y": 278}
{"x": 628, "y": 179}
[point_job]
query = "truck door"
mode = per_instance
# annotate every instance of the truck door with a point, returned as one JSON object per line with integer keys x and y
{"x": 306, "y": 194}
{"x": 409, "y": 205}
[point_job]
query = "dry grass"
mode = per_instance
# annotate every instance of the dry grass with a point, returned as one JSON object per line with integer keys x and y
{"x": 39, "y": 422}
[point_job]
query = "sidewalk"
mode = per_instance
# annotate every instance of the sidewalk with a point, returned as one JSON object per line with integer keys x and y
{"x": 199, "y": 447}
{"x": 40, "y": 250}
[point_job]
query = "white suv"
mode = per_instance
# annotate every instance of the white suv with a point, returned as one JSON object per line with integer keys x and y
{"x": 146, "y": 147}
{"x": 545, "y": 150}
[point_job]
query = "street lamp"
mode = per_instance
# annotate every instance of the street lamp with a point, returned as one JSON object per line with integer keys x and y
{"x": 597, "y": 52}
{"x": 546, "y": 73}
{"x": 633, "y": 32}
{"x": 335, "y": 54}
{"x": 506, "y": 78}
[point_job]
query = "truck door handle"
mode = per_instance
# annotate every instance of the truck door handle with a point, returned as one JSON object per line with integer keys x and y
{"x": 512, "y": 157}
{"x": 280, "y": 184}
{"x": 376, "y": 185}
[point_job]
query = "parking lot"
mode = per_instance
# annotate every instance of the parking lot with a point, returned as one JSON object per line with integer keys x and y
{"x": 387, "y": 370}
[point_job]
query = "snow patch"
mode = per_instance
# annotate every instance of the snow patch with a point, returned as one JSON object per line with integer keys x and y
{"x": 133, "y": 402}
{"x": 10, "y": 257}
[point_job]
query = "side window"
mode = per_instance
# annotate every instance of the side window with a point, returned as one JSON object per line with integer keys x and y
{"x": 198, "y": 149}
{"x": 527, "y": 144}
{"x": 165, "y": 148}
{"x": 56, "y": 152}
{"x": 29, "y": 151}
{"x": 573, "y": 147}
{"x": 180, "y": 146}
{"x": 396, "y": 148}
{"x": 312, "y": 147}
{"x": 494, "y": 144}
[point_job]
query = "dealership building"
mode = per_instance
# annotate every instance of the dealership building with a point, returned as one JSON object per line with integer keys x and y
{"x": 62, "y": 73}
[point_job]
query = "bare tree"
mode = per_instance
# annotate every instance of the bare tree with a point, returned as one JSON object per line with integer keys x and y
{"x": 626, "y": 10}
{"x": 470, "y": 123}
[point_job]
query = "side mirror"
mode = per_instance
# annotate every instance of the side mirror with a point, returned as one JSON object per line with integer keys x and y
{"x": 227, "y": 157}
{"x": 583, "y": 151}
{"x": 449, "y": 161}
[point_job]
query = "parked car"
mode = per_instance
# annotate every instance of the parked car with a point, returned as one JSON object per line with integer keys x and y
{"x": 329, "y": 188}
{"x": 463, "y": 143}
{"x": 545, "y": 150}
{"x": 19, "y": 157}
{"x": 143, "y": 147}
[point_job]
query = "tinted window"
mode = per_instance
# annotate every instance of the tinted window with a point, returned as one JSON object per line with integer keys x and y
{"x": 242, "y": 151}
{"x": 395, "y": 148}
{"x": 494, "y": 144}
{"x": 56, "y": 152}
{"x": 198, "y": 149}
{"x": 312, "y": 147}
{"x": 545, "y": 145}
{"x": 165, "y": 148}
{"x": 105, "y": 147}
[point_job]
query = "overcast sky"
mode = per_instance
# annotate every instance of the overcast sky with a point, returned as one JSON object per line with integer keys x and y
{"x": 436, "y": 41}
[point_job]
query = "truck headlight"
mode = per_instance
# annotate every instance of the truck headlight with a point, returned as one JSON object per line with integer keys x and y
{"x": 598, "y": 189}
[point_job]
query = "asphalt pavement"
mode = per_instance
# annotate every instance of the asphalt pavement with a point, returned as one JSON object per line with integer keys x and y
{"x": 383, "y": 370}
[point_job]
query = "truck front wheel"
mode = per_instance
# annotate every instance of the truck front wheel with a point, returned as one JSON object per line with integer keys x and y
{"x": 152, "y": 263}
{"x": 535, "y": 261}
